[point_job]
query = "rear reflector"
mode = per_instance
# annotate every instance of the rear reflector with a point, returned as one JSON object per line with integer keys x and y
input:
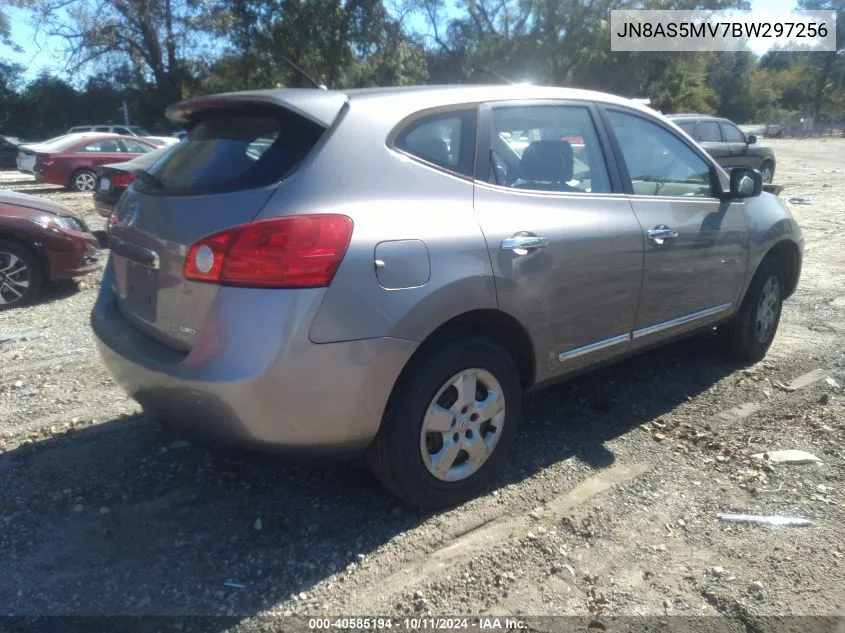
{"x": 121, "y": 179}
{"x": 300, "y": 251}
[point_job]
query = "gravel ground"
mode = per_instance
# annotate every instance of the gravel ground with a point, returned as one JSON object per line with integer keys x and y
{"x": 608, "y": 507}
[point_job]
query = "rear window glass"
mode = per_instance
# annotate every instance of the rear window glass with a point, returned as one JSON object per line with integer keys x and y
{"x": 68, "y": 142}
{"x": 235, "y": 150}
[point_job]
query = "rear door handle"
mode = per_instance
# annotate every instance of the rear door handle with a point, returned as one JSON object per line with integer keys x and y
{"x": 659, "y": 234}
{"x": 521, "y": 244}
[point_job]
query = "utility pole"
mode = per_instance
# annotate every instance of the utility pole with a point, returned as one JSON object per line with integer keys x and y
{"x": 125, "y": 113}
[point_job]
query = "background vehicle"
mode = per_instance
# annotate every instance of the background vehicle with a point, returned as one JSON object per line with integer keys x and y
{"x": 9, "y": 151}
{"x": 72, "y": 162}
{"x": 27, "y": 151}
{"x": 730, "y": 146}
{"x": 125, "y": 130}
{"x": 279, "y": 299}
{"x": 40, "y": 241}
{"x": 114, "y": 178}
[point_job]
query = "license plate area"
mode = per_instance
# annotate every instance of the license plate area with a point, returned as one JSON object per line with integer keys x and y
{"x": 105, "y": 184}
{"x": 142, "y": 290}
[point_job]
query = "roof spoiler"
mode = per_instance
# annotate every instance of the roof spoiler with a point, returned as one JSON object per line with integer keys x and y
{"x": 319, "y": 106}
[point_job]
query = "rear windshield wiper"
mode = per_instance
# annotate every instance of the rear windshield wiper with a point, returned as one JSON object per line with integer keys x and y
{"x": 147, "y": 178}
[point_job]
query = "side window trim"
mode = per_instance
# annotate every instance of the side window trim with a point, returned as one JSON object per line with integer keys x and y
{"x": 484, "y": 134}
{"x": 617, "y": 149}
{"x": 466, "y": 109}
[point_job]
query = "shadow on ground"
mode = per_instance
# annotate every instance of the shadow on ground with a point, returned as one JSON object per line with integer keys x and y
{"x": 41, "y": 189}
{"x": 17, "y": 183}
{"x": 124, "y": 518}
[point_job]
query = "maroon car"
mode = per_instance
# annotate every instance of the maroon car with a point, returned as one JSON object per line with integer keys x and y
{"x": 74, "y": 162}
{"x": 40, "y": 241}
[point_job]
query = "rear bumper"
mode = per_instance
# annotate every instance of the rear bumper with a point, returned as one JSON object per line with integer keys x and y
{"x": 259, "y": 386}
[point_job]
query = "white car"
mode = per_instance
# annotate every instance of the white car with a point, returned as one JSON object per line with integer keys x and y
{"x": 26, "y": 153}
{"x": 126, "y": 130}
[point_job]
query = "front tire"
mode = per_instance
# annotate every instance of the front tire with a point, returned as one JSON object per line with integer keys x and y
{"x": 750, "y": 333}
{"x": 21, "y": 275}
{"x": 449, "y": 426}
{"x": 83, "y": 180}
{"x": 768, "y": 172}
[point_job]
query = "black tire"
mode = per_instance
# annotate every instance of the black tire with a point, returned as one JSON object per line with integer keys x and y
{"x": 740, "y": 334}
{"x": 395, "y": 455}
{"x": 770, "y": 176}
{"x": 34, "y": 275}
{"x": 88, "y": 176}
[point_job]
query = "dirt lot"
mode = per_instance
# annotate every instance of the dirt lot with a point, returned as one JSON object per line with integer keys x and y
{"x": 608, "y": 507}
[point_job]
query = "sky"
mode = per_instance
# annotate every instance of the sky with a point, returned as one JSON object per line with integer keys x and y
{"x": 40, "y": 52}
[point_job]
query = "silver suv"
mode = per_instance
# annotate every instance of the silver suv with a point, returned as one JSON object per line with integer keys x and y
{"x": 387, "y": 271}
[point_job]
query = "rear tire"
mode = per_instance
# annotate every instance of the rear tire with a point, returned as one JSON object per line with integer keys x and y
{"x": 21, "y": 275}
{"x": 83, "y": 180}
{"x": 438, "y": 447}
{"x": 749, "y": 334}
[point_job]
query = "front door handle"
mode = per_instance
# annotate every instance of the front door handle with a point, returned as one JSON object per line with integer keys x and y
{"x": 521, "y": 244}
{"x": 659, "y": 234}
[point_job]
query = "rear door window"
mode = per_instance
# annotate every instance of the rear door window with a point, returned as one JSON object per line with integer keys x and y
{"x": 708, "y": 132}
{"x": 234, "y": 150}
{"x": 546, "y": 148}
{"x": 109, "y": 145}
{"x": 689, "y": 128}
{"x": 446, "y": 139}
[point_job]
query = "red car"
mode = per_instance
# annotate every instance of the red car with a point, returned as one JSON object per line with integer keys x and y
{"x": 73, "y": 163}
{"x": 40, "y": 241}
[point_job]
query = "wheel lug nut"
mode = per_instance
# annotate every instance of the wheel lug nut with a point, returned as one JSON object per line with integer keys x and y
{"x": 469, "y": 434}
{"x": 456, "y": 437}
{"x": 454, "y": 421}
{"x": 473, "y": 417}
{"x": 464, "y": 410}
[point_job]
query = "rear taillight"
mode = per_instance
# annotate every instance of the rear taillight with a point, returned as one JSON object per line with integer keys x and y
{"x": 300, "y": 251}
{"x": 121, "y": 179}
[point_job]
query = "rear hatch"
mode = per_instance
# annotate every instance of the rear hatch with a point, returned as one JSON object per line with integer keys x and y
{"x": 240, "y": 147}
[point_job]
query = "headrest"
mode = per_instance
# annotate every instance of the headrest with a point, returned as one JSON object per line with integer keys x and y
{"x": 546, "y": 161}
{"x": 433, "y": 149}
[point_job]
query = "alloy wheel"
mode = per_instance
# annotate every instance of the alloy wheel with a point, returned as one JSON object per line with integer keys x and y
{"x": 14, "y": 278}
{"x": 85, "y": 181}
{"x": 462, "y": 425}
{"x": 767, "y": 309}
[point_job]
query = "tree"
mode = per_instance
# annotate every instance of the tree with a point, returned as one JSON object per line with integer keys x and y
{"x": 826, "y": 68}
{"x": 152, "y": 36}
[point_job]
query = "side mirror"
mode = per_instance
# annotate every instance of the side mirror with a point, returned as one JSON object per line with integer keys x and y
{"x": 745, "y": 183}
{"x": 751, "y": 139}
